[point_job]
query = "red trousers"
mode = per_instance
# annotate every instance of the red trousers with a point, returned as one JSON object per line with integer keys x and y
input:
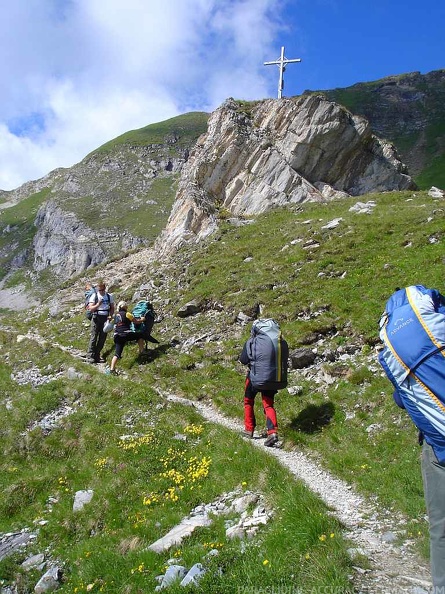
{"x": 268, "y": 397}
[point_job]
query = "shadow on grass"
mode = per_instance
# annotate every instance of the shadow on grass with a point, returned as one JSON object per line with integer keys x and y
{"x": 151, "y": 355}
{"x": 313, "y": 418}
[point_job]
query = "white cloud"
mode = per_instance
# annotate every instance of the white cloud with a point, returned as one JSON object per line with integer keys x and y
{"x": 81, "y": 72}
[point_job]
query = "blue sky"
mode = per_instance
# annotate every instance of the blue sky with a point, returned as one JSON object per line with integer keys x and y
{"x": 77, "y": 73}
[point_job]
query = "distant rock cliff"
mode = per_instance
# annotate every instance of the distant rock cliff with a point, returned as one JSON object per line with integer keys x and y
{"x": 116, "y": 199}
{"x": 271, "y": 153}
{"x": 407, "y": 109}
{"x": 68, "y": 246}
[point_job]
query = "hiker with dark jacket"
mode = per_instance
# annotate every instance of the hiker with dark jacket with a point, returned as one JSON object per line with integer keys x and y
{"x": 102, "y": 307}
{"x": 266, "y": 354}
{"x": 123, "y": 333}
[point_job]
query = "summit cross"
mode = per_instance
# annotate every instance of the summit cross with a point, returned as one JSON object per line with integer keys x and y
{"x": 282, "y": 65}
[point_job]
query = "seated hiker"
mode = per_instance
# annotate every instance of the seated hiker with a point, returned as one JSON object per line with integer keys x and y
{"x": 123, "y": 332}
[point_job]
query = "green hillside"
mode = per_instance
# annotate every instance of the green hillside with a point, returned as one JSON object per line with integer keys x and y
{"x": 180, "y": 131}
{"x": 327, "y": 288}
{"x": 17, "y": 234}
{"x": 123, "y": 190}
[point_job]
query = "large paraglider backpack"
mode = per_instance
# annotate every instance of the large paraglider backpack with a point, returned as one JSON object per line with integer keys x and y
{"x": 412, "y": 329}
{"x": 142, "y": 309}
{"x": 268, "y": 353}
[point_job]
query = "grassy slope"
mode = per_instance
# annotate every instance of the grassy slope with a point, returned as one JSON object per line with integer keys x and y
{"x": 337, "y": 291}
{"x": 105, "y": 546}
{"x": 184, "y": 127}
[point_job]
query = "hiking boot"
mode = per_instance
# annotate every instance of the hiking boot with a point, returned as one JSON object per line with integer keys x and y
{"x": 91, "y": 360}
{"x": 110, "y": 372}
{"x": 271, "y": 440}
{"x": 248, "y": 434}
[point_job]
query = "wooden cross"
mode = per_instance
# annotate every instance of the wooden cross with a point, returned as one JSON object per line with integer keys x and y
{"x": 282, "y": 64}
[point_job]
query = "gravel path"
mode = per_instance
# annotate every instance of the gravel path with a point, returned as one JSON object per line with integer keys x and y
{"x": 395, "y": 568}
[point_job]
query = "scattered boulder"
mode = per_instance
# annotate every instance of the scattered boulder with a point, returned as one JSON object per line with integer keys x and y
{"x": 333, "y": 224}
{"x": 240, "y": 504}
{"x": 243, "y": 318}
{"x": 189, "y": 309}
{"x": 436, "y": 192}
{"x": 173, "y": 574}
{"x": 81, "y": 498}
{"x": 363, "y": 207}
{"x": 193, "y": 575}
{"x": 13, "y": 541}
{"x": 50, "y": 581}
{"x": 33, "y": 561}
{"x": 235, "y": 502}
{"x": 301, "y": 358}
{"x": 179, "y": 532}
{"x": 295, "y": 390}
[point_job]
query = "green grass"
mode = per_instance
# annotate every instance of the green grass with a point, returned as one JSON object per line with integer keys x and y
{"x": 144, "y": 219}
{"x": 185, "y": 128}
{"x": 143, "y": 485}
{"x": 433, "y": 175}
{"x": 325, "y": 297}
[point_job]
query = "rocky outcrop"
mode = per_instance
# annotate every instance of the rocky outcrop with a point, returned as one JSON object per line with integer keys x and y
{"x": 65, "y": 244}
{"x": 275, "y": 153}
{"x": 408, "y": 109}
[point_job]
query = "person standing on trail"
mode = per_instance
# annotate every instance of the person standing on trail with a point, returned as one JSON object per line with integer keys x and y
{"x": 102, "y": 305}
{"x": 412, "y": 329}
{"x": 266, "y": 354}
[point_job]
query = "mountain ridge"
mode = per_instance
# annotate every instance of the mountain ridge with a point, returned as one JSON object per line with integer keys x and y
{"x": 120, "y": 196}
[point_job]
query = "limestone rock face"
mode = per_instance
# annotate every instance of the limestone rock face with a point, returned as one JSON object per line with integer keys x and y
{"x": 63, "y": 242}
{"x": 406, "y": 109}
{"x": 67, "y": 245}
{"x": 274, "y": 153}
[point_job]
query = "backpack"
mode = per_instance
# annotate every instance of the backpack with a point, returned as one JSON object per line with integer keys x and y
{"x": 268, "y": 354}
{"x": 88, "y": 292}
{"x": 142, "y": 309}
{"x": 412, "y": 329}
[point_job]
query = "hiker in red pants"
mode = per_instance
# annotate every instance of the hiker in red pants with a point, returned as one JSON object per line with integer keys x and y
{"x": 266, "y": 354}
{"x": 268, "y": 397}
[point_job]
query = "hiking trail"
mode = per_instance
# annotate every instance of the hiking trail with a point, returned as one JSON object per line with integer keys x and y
{"x": 395, "y": 567}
